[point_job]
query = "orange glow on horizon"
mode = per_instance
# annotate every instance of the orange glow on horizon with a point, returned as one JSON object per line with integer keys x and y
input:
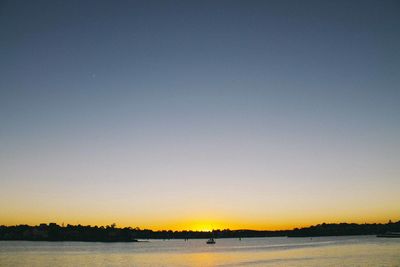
{"x": 203, "y": 225}
{"x": 205, "y": 219}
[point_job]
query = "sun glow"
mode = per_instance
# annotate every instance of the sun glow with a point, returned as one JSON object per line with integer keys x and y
{"x": 204, "y": 226}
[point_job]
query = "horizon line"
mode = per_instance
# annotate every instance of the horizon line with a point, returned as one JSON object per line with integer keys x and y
{"x": 114, "y": 225}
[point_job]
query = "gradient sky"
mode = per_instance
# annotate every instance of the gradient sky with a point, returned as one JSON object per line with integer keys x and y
{"x": 199, "y": 114}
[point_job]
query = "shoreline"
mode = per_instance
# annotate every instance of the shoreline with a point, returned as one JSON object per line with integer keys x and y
{"x": 111, "y": 234}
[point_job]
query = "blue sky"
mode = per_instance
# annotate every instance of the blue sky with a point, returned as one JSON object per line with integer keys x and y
{"x": 249, "y": 113}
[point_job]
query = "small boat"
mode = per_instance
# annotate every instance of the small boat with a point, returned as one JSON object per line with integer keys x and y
{"x": 211, "y": 241}
{"x": 390, "y": 234}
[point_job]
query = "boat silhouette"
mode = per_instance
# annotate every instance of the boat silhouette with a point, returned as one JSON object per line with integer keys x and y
{"x": 211, "y": 241}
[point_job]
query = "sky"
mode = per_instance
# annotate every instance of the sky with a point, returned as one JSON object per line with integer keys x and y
{"x": 199, "y": 114}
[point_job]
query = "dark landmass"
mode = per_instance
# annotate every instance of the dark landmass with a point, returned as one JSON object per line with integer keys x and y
{"x": 340, "y": 229}
{"x": 390, "y": 235}
{"x": 54, "y": 232}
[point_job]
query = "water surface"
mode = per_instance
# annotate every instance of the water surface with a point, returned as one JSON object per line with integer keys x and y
{"x": 275, "y": 251}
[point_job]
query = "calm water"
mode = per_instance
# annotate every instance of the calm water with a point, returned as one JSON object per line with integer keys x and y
{"x": 320, "y": 251}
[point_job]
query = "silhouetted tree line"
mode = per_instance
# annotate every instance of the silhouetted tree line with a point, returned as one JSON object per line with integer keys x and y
{"x": 55, "y": 232}
{"x": 339, "y": 229}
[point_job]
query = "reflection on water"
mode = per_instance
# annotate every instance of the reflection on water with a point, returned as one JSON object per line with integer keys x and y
{"x": 320, "y": 251}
